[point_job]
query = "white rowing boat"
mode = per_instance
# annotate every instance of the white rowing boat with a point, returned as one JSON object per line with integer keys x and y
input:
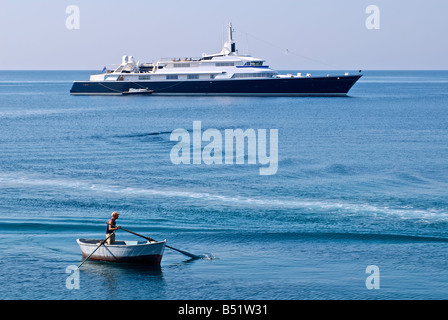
{"x": 149, "y": 252}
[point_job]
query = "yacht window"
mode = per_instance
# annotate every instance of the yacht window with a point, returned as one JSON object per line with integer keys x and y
{"x": 254, "y": 63}
{"x": 253, "y": 75}
{"x": 193, "y": 76}
{"x": 212, "y": 76}
{"x": 144, "y": 77}
{"x": 224, "y": 64}
{"x": 172, "y": 77}
{"x": 181, "y": 65}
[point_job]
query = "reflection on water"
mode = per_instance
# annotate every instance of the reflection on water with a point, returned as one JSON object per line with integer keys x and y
{"x": 112, "y": 278}
{"x": 121, "y": 269}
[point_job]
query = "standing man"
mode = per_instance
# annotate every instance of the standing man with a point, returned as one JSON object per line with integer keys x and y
{"x": 111, "y": 227}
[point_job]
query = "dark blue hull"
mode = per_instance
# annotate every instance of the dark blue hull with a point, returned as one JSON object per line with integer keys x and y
{"x": 300, "y": 86}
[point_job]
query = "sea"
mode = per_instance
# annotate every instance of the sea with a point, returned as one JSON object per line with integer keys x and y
{"x": 356, "y": 210}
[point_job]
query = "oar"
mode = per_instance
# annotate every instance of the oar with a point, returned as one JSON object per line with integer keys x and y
{"x": 102, "y": 242}
{"x": 150, "y": 239}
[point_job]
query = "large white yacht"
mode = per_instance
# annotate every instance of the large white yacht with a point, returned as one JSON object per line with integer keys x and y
{"x": 223, "y": 73}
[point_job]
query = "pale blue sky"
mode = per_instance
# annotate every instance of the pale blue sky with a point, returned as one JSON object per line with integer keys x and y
{"x": 319, "y": 34}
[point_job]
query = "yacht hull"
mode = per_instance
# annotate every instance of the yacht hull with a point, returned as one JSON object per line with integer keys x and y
{"x": 294, "y": 86}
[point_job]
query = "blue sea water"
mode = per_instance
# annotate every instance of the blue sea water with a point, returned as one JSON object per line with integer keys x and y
{"x": 362, "y": 180}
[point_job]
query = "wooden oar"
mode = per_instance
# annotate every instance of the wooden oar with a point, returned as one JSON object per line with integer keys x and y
{"x": 150, "y": 239}
{"x": 102, "y": 242}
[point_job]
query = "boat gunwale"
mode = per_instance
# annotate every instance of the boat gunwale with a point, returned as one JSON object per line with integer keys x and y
{"x": 147, "y": 243}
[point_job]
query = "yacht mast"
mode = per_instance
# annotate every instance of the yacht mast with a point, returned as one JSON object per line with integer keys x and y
{"x": 229, "y": 47}
{"x": 232, "y": 43}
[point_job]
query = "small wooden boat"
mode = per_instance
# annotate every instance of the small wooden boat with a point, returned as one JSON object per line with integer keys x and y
{"x": 149, "y": 252}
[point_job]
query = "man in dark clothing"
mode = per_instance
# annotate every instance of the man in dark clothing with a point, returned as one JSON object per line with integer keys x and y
{"x": 111, "y": 227}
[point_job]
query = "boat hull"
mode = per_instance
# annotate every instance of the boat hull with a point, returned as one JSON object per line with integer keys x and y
{"x": 123, "y": 251}
{"x": 294, "y": 86}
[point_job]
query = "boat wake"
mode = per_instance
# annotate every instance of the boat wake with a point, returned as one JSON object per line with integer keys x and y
{"x": 307, "y": 205}
{"x": 207, "y": 256}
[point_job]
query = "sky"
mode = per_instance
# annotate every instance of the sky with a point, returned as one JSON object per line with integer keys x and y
{"x": 288, "y": 34}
